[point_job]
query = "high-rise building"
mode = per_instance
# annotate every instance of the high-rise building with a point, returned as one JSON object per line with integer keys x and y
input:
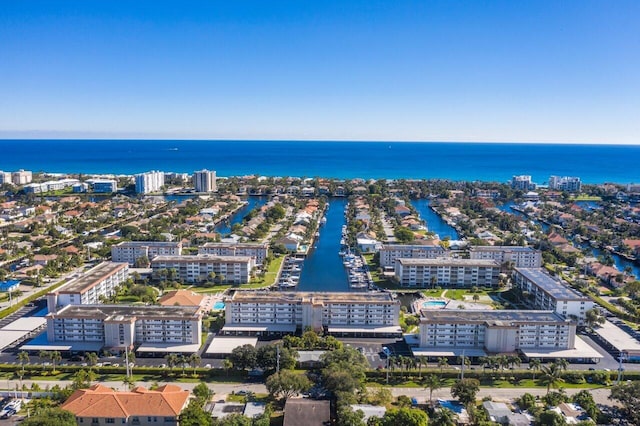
{"x": 5, "y": 177}
{"x": 149, "y": 182}
{"x": 522, "y": 182}
{"x": 205, "y": 181}
{"x": 565, "y": 183}
{"x": 21, "y": 177}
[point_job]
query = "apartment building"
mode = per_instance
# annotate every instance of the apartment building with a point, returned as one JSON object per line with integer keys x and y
{"x": 51, "y": 185}
{"x": 362, "y": 314}
{"x": 565, "y": 183}
{"x": 452, "y": 273}
{"x": 120, "y": 326}
{"x": 21, "y": 177}
{"x": 130, "y": 251}
{"x": 87, "y": 289}
{"x": 541, "y": 291}
{"x": 202, "y": 267}
{"x": 5, "y": 177}
{"x": 103, "y": 185}
{"x": 390, "y": 252}
{"x": 492, "y": 331}
{"x": 518, "y": 256}
{"x": 205, "y": 181}
{"x": 102, "y": 406}
{"x": 523, "y": 183}
{"x": 149, "y": 182}
{"x": 258, "y": 251}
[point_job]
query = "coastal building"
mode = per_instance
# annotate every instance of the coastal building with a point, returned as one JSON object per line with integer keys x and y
{"x": 517, "y": 256}
{"x": 479, "y": 333}
{"x": 130, "y": 251}
{"x": 565, "y": 183}
{"x": 146, "y": 328}
{"x": 100, "y": 281}
{"x": 205, "y": 181}
{"x": 205, "y": 267}
{"x": 5, "y": 177}
{"x": 271, "y": 313}
{"x": 149, "y": 182}
{"x": 522, "y": 183}
{"x": 258, "y": 251}
{"x": 21, "y": 177}
{"x": 390, "y": 252}
{"x": 103, "y": 406}
{"x": 443, "y": 272}
{"x": 52, "y": 185}
{"x": 103, "y": 185}
{"x": 541, "y": 291}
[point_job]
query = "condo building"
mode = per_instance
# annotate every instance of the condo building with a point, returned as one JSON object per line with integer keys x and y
{"x": 523, "y": 183}
{"x": 565, "y": 183}
{"x": 100, "y": 281}
{"x": 149, "y": 182}
{"x": 390, "y": 252}
{"x": 542, "y": 291}
{"x": 103, "y": 185}
{"x": 5, "y": 177}
{"x": 518, "y": 256}
{"x": 117, "y": 326}
{"x": 201, "y": 267}
{"x": 265, "y": 313}
{"x": 258, "y": 251}
{"x": 444, "y": 272}
{"x": 130, "y": 251}
{"x": 205, "y": 181}
{"x": 51, "y": 185}
{"x": 489, "y": 332}
{"x": 21, "y": 177}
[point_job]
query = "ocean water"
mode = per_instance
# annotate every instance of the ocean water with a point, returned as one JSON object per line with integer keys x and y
{"x": 395, "y": 160}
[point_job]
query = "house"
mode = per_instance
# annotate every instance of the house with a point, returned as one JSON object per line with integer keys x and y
{"x": 100, "y": 405}
{"x": 498, "y": 412}
{"x": 307, "y": 412}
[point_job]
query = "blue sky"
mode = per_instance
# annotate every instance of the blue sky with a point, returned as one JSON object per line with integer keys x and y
{"x": 534, "y": 71}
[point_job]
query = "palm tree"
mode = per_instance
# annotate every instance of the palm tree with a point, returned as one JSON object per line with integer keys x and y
{"x": 562, "y": 364}
{"x": 514, "y": 360}
{"x": 43, "y": 355}
{"x": 503, "y": 362}
{"x": 194, "y": 361}
{"x": 172, "y": 361}
{"x": 432, "y": 382}
{"x": 442, "y": 363}
{"x": 421, "y": 360}
{"x": 55, "y": 357}
{"x": 534, "y": 365}
{"x": 23, "y": 358}
{"x": 551, "y": 376}
{"x": 227, "y": 365}
{"x": 128, "y": 382}
{"x": 92, "y": 359}
{"x": 443, "y": 417}
{"x": 184, "y": 361}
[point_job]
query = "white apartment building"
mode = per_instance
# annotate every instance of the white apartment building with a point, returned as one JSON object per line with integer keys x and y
{"x": 130, "y": 251}
{"x": 452, "y": 273}
{"x": 545, "y": 292}
{"x": 51, "y": 185}
{"x": 103, "y": 185}
{"x": 149, "y": 182}
{"x": 119, "y": 326}
{"x": 523, "y": 183}
{"x": 265, "y": 313}
{"x": 198, "y": 268}
{"x": 518, "y": 256}
{"x": 5, "y": 177}
{"x": 390, "y": 252}
{"x": 565, "y": 183}
{"x": 101, "y": 280}
{"x": 205, "y": 181}
{"x": 493, "y": 331}
{"x": 21, "y": 177}
{"x": 258, "y": 251}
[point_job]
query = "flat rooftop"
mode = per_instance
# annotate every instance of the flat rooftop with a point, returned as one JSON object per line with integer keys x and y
{"x": 201, "y": 258}
{"x": 582, "y": 350}
{"x": 503, "y": 248}
{"x": 92, "y": 277}
{"x": 550, "y": 285}
{"x": 104, "y": 312}
{"x": 149, "y": 244}
{"x": 491, "y": 316}
{"x": 236, "y": 245}
{"x": 225, "y": 345}
{"x": 487, "y": 263}
{"x": 618, "y": 338}
{"x": 294, "y": 297}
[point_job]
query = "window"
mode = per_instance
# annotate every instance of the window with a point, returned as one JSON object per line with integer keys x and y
{"x": 110, "y": 421}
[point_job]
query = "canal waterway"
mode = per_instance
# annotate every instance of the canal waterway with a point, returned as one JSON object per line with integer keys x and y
{"x": 435, "y": 223}
{"x": 224, "y": 227}
{"x": 323, "y": 270}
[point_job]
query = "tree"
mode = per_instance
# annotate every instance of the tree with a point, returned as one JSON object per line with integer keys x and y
{"x": 344, "y": 370}
{"x": 381, "y": 396}
{"x": 405, "y": 417}
{"x": 432, "y": 382}
{"x": 593, "y": 318}
{"x": 348, "y": 417}
{"x": 267, "y": 357}
{"x": 23, "y": 358}
{"x": 194, "y": 415}
{"x": 202, "y": 393}
{"x": 562, "y": 363}
{"x": 551, "y": 418}
{"x": 526, "y": 401}
{"x": 51, "y": 417}
{"x": 286, "y": 384}
{"x": 55, "y": 357}
{"x": 235, "y": 419}
{"x": 227, "y": 365}
{"x": 83, "y": 378}
{"x": 194, "y": 362}
{"x": 244, "y": 357}
{"x": 172, "y": 361}
{"x": 465, "y": 390}
{"x": 443, "y": 417}
{"x": 129, "y": 382}
{"x": 92, "y": 359}
{"x": 442, "y": 363}
{"x": 585, "y": 400}
{"x": 628, "y": 394}
{"x": 534, "y": 365}
{"x": 551, "y": 376}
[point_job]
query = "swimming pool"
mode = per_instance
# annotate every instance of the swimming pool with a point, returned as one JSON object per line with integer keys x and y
{"x": 434, "y": 304}
{"x": 454, "y": 406}
{"x": 219, "y": 305}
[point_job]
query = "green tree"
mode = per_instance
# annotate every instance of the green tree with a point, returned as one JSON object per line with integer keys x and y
{"x": 551, "y": 376}
{"x": 432, "y": 382}
{"x": 442, "y": 363}
{"x": 551, "y": 418}
{"x": 23, "y": 358}
{"x": 628, "y": 394}
{"x": 92, "y": 359}
{"x": 194, "y": 415}
{"x": 235, "y": 419}
{"x": 172, "y": 361}
{"x": 267, "y": 357}
{"x": 526, "y": 401}
{"x": 194, "y": 362}
{"x": 405, "y": 417}
{"x": 344, "y": 370}
{"x": 534, "y": 366}
{"x": 585, "y": 400}
{"x": 443, "y": 417}
{"x": 82, "y": 379}
{"x": 244, "y": 357}
{"x": 465, "y": 390}
{"x": 55, "y": 357}
{"x": 51, "y": 417}
{"x": 348, "y": 417}
{"x": 202, "y": 393}
{"x": 593, "y": 318}
{"x": 286, "y": 384}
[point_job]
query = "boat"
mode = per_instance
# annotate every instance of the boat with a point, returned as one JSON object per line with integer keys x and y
{"x": 323, "y": 220}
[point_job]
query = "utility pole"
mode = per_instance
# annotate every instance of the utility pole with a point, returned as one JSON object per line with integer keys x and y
{"x": 277, "y": 359}
{"x": 462, "y": 366}
{"x": 620, "y": 368}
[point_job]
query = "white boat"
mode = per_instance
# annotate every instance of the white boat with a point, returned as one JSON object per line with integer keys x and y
{"x": 323, "y": 220}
